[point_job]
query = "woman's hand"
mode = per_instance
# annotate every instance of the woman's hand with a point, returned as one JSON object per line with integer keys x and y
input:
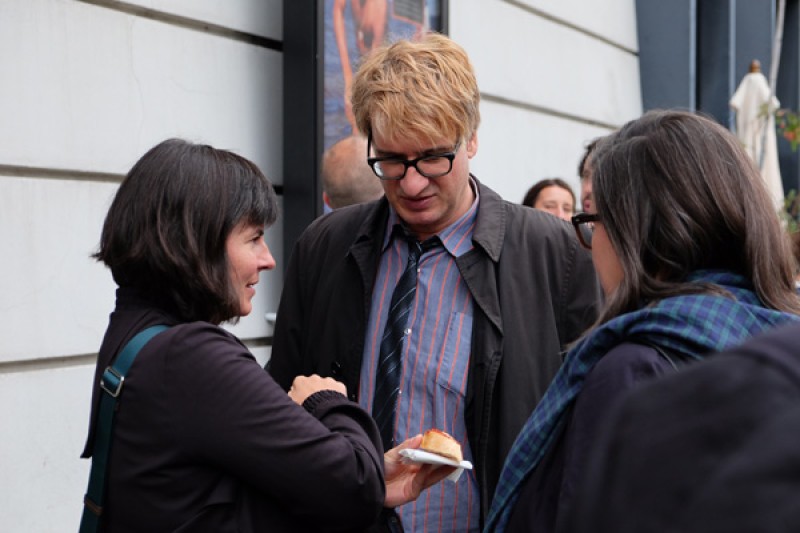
{"x": 305, "y": 386}
{"x": 405, "y": 481}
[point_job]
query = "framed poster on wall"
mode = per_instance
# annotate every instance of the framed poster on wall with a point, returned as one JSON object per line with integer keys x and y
{"x": 351, "y": 29}
{"x": 323, "y": 42}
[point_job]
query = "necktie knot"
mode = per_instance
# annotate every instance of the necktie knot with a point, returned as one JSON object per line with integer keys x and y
{"x": 416, "y": 248}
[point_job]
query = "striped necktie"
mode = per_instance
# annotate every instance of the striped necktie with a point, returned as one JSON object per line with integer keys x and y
{"x": 390, "y": 362}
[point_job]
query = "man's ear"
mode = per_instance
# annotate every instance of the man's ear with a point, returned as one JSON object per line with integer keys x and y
{"x": 472, "y": 145}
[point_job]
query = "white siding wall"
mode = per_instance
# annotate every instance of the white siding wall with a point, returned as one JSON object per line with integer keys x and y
{"x": 85, "y": 91}
{"x": 87, "y": 88}
{"x": 553, "y": 75}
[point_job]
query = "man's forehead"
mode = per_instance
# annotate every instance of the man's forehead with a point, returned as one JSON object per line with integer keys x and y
{"x": 410, "y": 143}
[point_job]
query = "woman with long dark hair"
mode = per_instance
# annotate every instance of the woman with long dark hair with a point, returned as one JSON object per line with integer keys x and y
{"x": 692, "y": 259}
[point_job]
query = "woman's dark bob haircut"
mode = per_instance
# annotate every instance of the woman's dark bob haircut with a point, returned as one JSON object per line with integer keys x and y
{"x": 676, "y": 193}
{"x": 166, "y": 230}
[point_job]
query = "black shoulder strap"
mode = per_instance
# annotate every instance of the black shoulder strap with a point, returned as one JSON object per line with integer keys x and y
{"x": 111, "y": 384}
{"x": 673, "y": 357}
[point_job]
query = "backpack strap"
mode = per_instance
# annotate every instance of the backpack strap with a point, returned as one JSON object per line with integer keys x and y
{"x": 111, "y": 384}
{"x": 674, "y": 358}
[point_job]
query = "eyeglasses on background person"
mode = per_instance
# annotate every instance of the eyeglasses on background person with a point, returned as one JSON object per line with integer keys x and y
{"x": 395, "y": 168}
{"x": 585, "y": 235}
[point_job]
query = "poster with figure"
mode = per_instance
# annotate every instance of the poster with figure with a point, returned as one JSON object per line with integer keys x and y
{"x": 353, "y": 28}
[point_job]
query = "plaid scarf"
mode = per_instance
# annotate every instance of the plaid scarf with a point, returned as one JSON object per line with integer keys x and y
{"x": 690, "y": 324}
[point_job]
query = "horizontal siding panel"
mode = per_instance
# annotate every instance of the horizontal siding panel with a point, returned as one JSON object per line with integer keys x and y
{"x": 541, "y": 146}
{"x": 45, "y": 418}
{"x": 91, "y": 89}
{"x": 258, "y": 17}
{"x": 56, "y": 300}
{"x": 538, "y": 62}
{"x": 614, "y": 20}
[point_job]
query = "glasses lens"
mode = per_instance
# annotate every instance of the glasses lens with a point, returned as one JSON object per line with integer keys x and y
{"x": 587, "y": 231}
{"x": 584, "y": 228}
{"x": 390, "y": 169}
{"x": 434, "y": 166}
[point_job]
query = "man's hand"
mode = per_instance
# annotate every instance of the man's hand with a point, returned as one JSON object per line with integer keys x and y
{"x": 405, "y": 481}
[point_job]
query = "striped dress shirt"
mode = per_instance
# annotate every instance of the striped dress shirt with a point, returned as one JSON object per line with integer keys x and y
{"x": 436, "y": 355}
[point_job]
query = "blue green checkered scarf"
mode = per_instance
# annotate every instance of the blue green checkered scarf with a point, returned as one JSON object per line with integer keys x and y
{"x": 691, "y": 325}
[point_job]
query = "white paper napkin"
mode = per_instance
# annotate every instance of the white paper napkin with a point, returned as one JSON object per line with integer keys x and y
{"x": 421, "y": 456}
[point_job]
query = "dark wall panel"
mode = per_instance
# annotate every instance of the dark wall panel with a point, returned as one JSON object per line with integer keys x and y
{"x": 694, "y": 53}
{"x": 667, "y": 52}
{"x": 302, "y": 116}
{"x": 715, "y": 51}
{"x": 788, "y": 91}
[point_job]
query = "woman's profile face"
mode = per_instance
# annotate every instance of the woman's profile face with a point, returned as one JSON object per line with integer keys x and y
{"x": 605, "y": 259}
{"x": 557, "y": 201}
{"x": 248, "y": 255}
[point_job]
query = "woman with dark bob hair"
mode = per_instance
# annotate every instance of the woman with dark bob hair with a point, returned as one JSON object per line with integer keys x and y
{"x": 553, "y": 195}
{"x": 692, "y": 259}
{"x": 203, "y": 438}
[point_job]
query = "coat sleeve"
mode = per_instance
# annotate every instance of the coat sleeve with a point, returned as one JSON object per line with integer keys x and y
{"x": 323, "y": 465}
{"x": 582, "y": 295}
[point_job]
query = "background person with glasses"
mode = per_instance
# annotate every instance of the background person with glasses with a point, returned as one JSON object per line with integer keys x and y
{"x": 493, "y": 291}
{"x": 692, "y": 259}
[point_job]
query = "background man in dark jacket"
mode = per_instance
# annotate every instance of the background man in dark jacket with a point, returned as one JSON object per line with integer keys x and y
{"x": 497, "y": 293}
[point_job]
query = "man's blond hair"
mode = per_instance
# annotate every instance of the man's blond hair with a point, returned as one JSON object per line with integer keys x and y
{"x": 423, "y": 89}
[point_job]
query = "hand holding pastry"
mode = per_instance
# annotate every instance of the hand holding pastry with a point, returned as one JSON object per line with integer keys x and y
{"x": 405, "y": 481}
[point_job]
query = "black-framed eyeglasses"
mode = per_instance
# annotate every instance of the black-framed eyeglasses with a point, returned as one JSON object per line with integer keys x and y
{"x": 585, "y": 233}
{"x": 395, "y": 168}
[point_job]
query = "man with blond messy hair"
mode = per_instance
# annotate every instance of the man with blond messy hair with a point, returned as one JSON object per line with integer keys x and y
{"x": 497, "y": 293}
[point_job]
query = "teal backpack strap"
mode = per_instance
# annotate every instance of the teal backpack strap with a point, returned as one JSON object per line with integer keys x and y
{"x": 111, "y": 383}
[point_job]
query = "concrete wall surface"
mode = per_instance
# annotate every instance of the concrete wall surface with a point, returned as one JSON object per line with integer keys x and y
{"x": 553, "y": 76}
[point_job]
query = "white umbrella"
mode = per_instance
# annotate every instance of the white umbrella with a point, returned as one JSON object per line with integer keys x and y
{"x": 755, "y": 128}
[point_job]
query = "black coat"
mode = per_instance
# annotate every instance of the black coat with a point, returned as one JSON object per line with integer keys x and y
{"x": 547, "y": 495}
{"x": 205, "y": 440}
{"x": 713, "y": 448}
{"x": 534, "y": 288}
